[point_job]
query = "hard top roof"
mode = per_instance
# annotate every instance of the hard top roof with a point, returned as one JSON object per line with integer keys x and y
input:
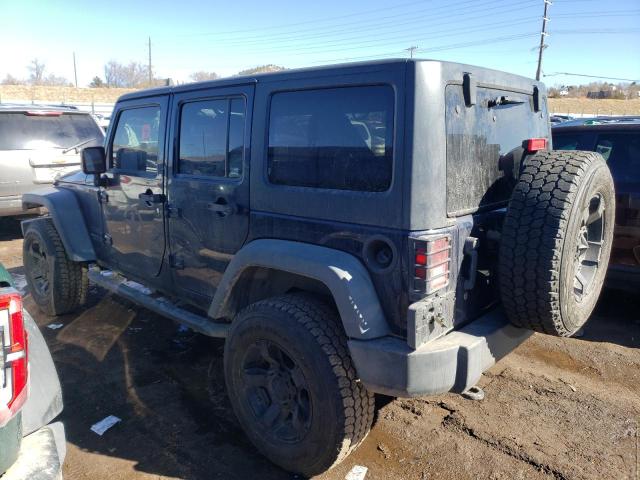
{"x": 284, "y": 74}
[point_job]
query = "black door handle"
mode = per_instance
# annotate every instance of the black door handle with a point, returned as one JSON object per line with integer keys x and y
{"x": 221, "y": 207}
{"x": 150, "y": 197}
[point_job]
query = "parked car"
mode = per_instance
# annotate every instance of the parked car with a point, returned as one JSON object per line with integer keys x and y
{"x": 344, "y": 228}
{"x": 32, "y": 444}
{"x": 38, "y": 143}
{"x": 618, "y": 141}
{"x": 557, "y": 118}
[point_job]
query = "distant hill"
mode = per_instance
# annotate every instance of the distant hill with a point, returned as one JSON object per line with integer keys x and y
{"x": 262, "y": 69}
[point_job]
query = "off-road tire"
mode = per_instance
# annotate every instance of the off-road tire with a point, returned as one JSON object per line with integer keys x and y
{"x": 540, "y": 240}
{"x": 309, "y": 332}
{"x": 68, "y": 281}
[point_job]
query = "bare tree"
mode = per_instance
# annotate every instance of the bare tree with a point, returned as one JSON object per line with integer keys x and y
{"x": 132, "y": 75}
{"x": 36, "y": 67}
{"x": 97, "y": 82}
{"x": 11, "y": 80}
{"x": 202, "y": 76}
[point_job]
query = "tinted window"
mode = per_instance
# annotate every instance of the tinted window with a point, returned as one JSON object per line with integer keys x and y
{"x": 622, "y": 153}
{"x": 566, "y": 142}
{"x": 212, "y": 138}
{"x": 339, "y": 138}
{"x": 22, "y": 131}
{"x": 135, "y": 143}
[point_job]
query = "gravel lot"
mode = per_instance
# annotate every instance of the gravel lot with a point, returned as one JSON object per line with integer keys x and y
{"x": 554, "y": 408}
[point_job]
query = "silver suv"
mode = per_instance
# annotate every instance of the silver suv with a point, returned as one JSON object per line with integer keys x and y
{"x": 37, "y": 144}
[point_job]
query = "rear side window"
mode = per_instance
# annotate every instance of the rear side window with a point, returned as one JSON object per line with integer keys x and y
{"x": 31, "y": 131}
{"x": 135, "y": 142}
{"x": 338, "y": 138}
{"x": 212, "y": 138}
{"x": 622, "y": 153}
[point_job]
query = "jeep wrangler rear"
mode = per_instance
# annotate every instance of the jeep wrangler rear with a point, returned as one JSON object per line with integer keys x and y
{"x": 385, "y": 227}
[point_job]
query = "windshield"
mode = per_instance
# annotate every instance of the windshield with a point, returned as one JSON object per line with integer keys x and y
{"x": 20, "y": 131}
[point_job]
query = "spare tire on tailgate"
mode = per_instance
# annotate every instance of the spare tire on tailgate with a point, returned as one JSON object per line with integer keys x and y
{"x": 556, "y": 241}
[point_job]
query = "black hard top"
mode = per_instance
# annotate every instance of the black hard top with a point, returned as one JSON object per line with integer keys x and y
{"x": 606, "y": 124}
{"x": 304, "y": 72}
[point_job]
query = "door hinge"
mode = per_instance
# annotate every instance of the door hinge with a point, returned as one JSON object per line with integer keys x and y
{"x": 103, "y": 196}
{"x": 173, "y": 211}
{"x": 175, "y": 261}
{"x": 107, "y": 239}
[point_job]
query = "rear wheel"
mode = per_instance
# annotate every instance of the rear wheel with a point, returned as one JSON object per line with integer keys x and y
{"x": 58, "y": 285}
{"x": 556, "y": 241}
{"x": 293, "y": 386}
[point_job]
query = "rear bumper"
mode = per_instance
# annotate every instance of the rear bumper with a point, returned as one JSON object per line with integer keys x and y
{"x": 41, "y": 455}
{"x": 453, "y": 362}
{"x": 11, "y": 206}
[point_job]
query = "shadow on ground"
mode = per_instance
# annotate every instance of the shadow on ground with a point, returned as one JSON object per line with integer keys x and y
{"x": 164, "y": 382}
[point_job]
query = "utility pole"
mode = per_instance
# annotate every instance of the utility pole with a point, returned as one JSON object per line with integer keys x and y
{"x": 150, "y": 72}
{"x": 543, "y": 34}
{"x": 411, "y": 50}
{"x": 75, "y": 71}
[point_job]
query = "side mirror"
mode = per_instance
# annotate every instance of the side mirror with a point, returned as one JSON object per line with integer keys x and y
{"x": 94, "y": 160}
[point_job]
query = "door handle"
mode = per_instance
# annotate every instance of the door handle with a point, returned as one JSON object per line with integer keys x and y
{"x": 221, "y": 207}
{"x": 149, "y": 197}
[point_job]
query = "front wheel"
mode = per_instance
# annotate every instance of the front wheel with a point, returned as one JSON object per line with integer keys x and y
{"x": 58, "y": 285}
{"x": 293, "y": 386}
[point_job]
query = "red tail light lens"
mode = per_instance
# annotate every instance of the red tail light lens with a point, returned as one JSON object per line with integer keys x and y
{"x": 432, "y": 262}
{"x": 13, "y": 342}
{"x": 535, "y": 144}
{"x": 42, "y": 113}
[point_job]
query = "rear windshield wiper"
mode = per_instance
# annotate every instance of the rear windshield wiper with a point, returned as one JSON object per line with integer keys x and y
{"x": 504, "y": 100}
{"x": 74, "y": 147}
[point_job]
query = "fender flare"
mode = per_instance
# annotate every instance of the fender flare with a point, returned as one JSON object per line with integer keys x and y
{"x": 66, "y": 214}
{"x": 343, "y": 274}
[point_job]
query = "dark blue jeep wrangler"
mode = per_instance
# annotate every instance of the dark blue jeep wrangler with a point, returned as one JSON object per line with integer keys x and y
{"x": 385, "y": 227}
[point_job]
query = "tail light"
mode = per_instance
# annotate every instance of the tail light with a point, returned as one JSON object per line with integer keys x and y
{"x": 14, "y": 369}
{"x": 432, "y": 261}
{"x": 535, "y": 144}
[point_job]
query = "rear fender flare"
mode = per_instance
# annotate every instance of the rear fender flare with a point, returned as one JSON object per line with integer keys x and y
{"x": 344, "y": 275}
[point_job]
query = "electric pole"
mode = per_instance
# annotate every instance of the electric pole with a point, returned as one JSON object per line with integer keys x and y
{"x": 150, "y": 71}
{"x": 543, "y": 34}
{"x": 75, "y": 71}
{"x": 411, "y": 50}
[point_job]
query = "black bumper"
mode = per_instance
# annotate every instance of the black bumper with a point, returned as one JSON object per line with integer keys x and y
{"x": 453, "y": 362}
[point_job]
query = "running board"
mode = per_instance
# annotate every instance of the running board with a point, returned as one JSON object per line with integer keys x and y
{"x": 140, "y": 295}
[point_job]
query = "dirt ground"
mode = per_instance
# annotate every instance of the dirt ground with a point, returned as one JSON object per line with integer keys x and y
{"x": 554, "y": 408}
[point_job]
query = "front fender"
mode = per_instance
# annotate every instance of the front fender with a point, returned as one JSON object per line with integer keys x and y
{"x": 67, "y": 217}
{"x": 343, "y": 274}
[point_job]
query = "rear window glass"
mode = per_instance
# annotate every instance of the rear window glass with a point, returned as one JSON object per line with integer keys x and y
{"x": 20, "y": 131}
{"x": 338, "y": 138}
{"x": 622, "y": 153}
{"x": 484, "y": 146}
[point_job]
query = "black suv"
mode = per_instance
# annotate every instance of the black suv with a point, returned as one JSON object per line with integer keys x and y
{"x": 348, "y": 229}
{"x": 618, "y": 141}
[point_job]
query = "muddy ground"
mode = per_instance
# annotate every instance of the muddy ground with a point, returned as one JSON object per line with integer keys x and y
{"x": 554, "y": 408}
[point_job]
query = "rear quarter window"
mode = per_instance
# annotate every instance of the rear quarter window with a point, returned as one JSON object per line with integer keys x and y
{"x": 334, "y": 138}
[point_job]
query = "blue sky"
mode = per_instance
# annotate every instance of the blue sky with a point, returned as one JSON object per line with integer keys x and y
{"x": 586, "y": 36}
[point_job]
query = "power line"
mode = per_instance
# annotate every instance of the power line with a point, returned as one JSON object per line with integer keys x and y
{"x": 589, "y": 76}
{"x": 476, "y": 7}
{"x": 341, "y": 39}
